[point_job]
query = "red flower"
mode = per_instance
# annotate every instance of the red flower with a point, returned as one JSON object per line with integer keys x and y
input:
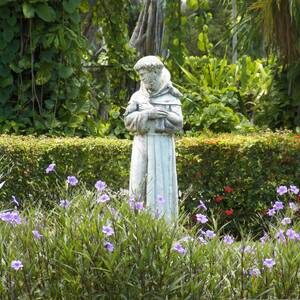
{"x": 298, "y": 197}
{"x": 229, "y": 212}
{"x": 219, "y": 198}
{"x": 228, "y": 189}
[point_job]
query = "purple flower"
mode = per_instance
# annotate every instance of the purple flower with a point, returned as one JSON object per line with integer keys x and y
{"x": 15, "y": 201}
{"x": 107, "y": 230}
{"x": 16, "y": 264}
{"x": 160, "y": 199}
{"x": 286, "y": 221}
{"x": 202, "y": 205}
{"x": 269, "y": 263}
{"x": 64, "y": 203}
{"x": 201, "y": 218}
{"x": 248, "y": 249}
{"x": 255, "y": 272}
{"x": 282, "y": 190}
{"x": 202, "y": 240}
{"x": 294, "y": 189}
{"x": 103, "y": 198}
{"x": 131, "y": 201}
{"x": 100, "y": 185}
{"x": 210, "y": 234}
{"x": 297, "y": 236}
{"x": 271, "y": 212}
{"x": 109, "y": 246}
{"x": 293, "y": 206}
{"x": 263, "y": 238}
{"x": 139, "y": 205}
{"x": 280, "y": 236}
{"x": 50, "y": 168}
{"x": 228, "y": 239}
{"x": 186, "y": 238}
{"x": 72, "y": 180}
{"x": 37, "y": 234}
{"x": 278, "y": 205}
{"x": 11, "y": 217}
{"x": 177, "y": 247}
{"x": 291, "y": 234}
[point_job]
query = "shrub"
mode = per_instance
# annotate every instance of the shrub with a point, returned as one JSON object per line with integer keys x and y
{"x": 253, "y": 166}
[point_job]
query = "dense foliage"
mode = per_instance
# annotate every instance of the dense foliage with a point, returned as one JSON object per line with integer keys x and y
{"x": 43, "y": 86}
{"x": 66, "y": 66}
{"x": 253, "y": 166}
{"x": 96, "y": 244}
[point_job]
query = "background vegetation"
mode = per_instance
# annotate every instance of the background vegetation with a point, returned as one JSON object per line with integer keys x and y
{"x": 66, "y": 66}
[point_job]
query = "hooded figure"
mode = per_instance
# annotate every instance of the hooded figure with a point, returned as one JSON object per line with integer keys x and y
{"x": 154, "y": 115}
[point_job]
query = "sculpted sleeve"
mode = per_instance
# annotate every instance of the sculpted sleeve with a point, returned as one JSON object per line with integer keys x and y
{"x": 134, "y": 119}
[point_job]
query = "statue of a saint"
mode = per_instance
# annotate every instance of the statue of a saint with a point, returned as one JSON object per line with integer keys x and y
{"x": 154, "y": 115}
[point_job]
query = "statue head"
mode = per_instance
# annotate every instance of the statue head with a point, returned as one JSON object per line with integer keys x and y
{"x": 150, "y": 69}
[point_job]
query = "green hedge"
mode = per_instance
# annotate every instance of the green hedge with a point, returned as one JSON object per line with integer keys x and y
{"x": 252, "y": 165}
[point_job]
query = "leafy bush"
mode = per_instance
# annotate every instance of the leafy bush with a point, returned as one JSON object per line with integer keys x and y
{"x": 43, "y": 87}
{"x": 209, "y": 80}
{"x": 91, "y": 248}
{"x": 253, "y": 166}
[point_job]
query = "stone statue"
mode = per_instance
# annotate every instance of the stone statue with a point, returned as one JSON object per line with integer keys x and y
{"x": 154, "y": 115}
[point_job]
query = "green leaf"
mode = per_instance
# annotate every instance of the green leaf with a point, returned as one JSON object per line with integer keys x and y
{"x": 45, "y": 12}
{"x": 28, "y": 10}
{"x": 42, "y": 76}
{"x": 65, "y": 71}
{"x": 71, "y": 5}
{"x": 6, "y": 81}
{"x": 8, "y": 34}
{"x": 3, "y": 2}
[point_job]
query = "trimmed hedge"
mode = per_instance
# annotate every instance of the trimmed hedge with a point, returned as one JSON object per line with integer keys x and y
{"x": 253, "y": 166}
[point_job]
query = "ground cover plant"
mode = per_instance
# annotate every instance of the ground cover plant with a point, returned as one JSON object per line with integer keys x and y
{"x": 99, "y": 244}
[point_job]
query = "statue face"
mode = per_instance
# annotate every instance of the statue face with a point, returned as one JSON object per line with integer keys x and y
{"x": 151, "y": 79}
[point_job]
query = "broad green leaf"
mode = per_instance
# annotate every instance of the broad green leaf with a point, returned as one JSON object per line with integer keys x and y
{"x": 71, "y": 5}
{"x": 45, "y": 12}
{"x": 3, "y": 2}
{"x": 42, "y": 76}
{"x": 64, "y": 71}
{"x": 6, "y": 81}
{"x": 28, "y": 10}
{"x": 201, "y": 42}
{"x": 8, "y": 34}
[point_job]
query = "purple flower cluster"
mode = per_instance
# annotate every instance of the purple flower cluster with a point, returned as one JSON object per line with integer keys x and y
{"x": 281, "y": 190}
{"x": 36, "y": 234}
{"x": 50, "y": 168}
{"x": 16, "y": 265}
{"x": 179, "y": 248}
{"x": 11, "y": 217}
{"x": 108, "y": 230}
{"x": 201, "y": 218}
{"x": 228, "y": 239}
{"x": 64, "y": 203}
{"x": 269, "y": 263}
{"x": 108, "y": 246}
{"x": 255, "y": 272}
{"x": 202, "y": 205}
{"x": 135, "y": 205}
{"x": 160, "y": 200}
{"x": 100, "y": 185}
{"x": 103, "y": 198}
{"x": 72, "y": 180}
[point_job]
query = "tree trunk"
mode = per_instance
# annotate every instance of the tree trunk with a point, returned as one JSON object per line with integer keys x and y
{"x": 148, "y": 33}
